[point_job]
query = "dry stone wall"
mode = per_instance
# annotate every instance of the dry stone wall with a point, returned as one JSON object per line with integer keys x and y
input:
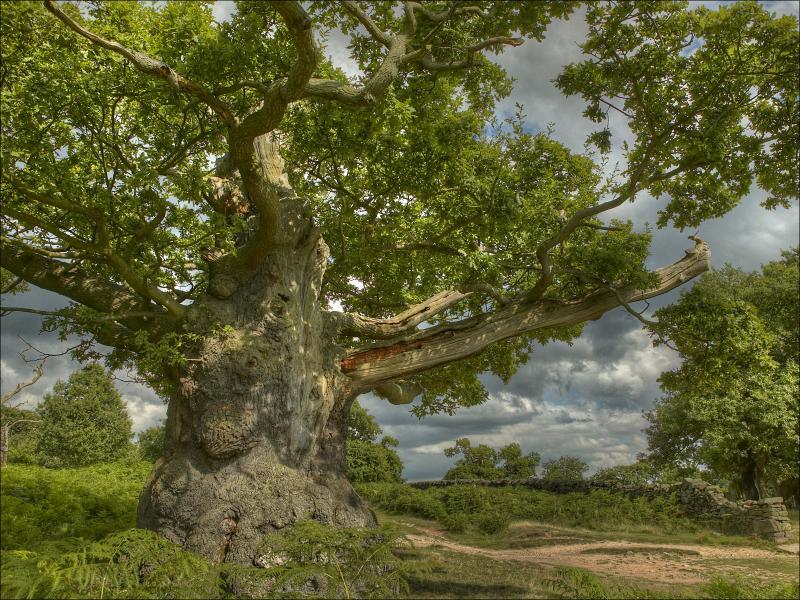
{"x": 767, "y": 518}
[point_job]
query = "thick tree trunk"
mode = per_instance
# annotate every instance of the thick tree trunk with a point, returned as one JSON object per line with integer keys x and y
{"x": 256, "y": 430}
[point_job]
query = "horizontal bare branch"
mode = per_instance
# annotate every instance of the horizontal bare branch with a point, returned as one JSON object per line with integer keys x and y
{"x": 381, "y": 329}
{"x": 402, "y": 358}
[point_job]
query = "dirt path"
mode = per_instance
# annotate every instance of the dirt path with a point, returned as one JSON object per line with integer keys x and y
{"x": 660, "y": 563}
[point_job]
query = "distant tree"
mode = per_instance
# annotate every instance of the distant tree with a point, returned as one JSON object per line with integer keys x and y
{"x": 83, "y": 421}
{"x": 151, "y": 442}
{"x": 484, "y": 462}
{"x": 361, "y": 425}
{"x": 639, "y": 473}
{"x": 565, "y": 468}
{"x": 367, "y": 459}
{"x": 733, "y": 403}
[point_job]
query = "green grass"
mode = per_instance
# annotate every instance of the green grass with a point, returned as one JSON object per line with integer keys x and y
{"x": 455, "y": 575}
{"x": 781, "y": 566}
{"x": 73, "y": 528}
{"x": 46, "y": 505}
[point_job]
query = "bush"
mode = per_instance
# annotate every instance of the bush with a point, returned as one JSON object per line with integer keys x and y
{"x": 490, "y": 522}
{"x": 458, "y": 507}
{"x": 83, "y": 421}
{"x": 151, "y": 442}
{"x": 369, "y": 462}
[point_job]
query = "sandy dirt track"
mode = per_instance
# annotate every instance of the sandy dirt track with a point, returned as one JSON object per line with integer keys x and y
{"x": 657, "y": 562}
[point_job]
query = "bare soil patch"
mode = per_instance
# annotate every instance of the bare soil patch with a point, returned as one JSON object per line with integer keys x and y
{"x": 674, "y": 564}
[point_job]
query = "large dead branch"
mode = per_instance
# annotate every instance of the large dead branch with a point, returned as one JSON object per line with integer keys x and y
{"x": 37, "y": 375}
{"x": 436, "y": 346}
{"x": 381, "y": 329}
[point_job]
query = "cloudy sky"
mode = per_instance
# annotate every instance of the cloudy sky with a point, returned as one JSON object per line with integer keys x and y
{"x": 584, "y": 400}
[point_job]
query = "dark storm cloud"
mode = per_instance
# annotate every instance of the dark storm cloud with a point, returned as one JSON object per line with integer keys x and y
{"x": 18, "y": 328}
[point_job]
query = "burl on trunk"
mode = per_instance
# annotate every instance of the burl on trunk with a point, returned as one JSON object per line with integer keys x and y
{"x": 257, "y": 428}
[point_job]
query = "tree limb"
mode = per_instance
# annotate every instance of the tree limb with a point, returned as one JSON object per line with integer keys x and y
{"x": 70, "y": 280}
{"x": 402, "y": 358}
{"x": 367, "y": 22}
{"x": 380, "y": 329}
{"x": 148, "y": 65}
{"x": 38, "y": 372}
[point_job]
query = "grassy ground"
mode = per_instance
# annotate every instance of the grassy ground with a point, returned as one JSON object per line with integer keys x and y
{"x": 455, "y": 574}
{"x": 52, "y": 514}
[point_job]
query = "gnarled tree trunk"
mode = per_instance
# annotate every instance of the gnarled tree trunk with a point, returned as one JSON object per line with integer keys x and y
{"x": 256, "y": 430}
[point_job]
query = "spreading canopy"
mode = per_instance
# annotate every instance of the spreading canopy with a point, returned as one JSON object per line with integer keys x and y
{"x": 131, "y": 180}
{"x": 732, "y": 406}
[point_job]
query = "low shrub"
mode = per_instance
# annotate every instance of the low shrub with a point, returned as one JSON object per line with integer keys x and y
{"x": 308, "y": 559}
{"x": 458, "y": 507}
{"x": 490, "y": 522}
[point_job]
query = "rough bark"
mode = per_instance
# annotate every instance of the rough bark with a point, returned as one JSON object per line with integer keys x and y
{"x": 256, "y": 428}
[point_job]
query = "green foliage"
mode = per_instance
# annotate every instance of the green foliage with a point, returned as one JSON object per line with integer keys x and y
{"x": 151, "y": 442}
{"x": 129, "y": 564}
{"x": 418, "y": 191}
{"x": 571, "y": 582}
{"x": 367, "y": 459}
{"x": 67, "y": 533}
{"x": 344, "y": 563}
{"x": 361, "y": 425}
{"x": 83, "y": 421}
{"x": 564, "y": 468}
{"x": 461, "y": 507}
{"x": 639, "y": 473}
{"x": 22, "y": 435}
{"x": 56, "y": 505}
{"x": 733, "y": 403}
{"x": 483, "y": 462}
{"x": 367, "y": 462}
{"x": 699, "y": 89}
{"x": 740, "y": 587}
{"x": 11, "y": 284}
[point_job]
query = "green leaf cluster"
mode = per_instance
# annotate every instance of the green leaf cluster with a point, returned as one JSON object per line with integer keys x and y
{"x": 484, "y": 462}
{"x": 701, "y": 91}
{"x": 83, "y": 421}
{"x": 564, "y": 468}
{"x": 733, "y": 403}
{"x": 368, "y": 459}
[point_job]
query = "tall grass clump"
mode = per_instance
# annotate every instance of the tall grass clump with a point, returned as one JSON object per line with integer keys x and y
{"x": 739, "y": 587}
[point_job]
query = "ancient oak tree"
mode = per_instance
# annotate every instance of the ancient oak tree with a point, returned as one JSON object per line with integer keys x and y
{"x": 204, "y": 192}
